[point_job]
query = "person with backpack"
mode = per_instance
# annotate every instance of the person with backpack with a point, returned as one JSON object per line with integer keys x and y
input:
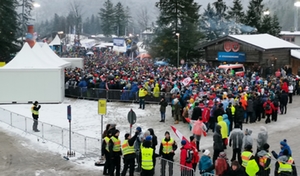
{"x": 186, "y": 158}
{"x": 269, "y": 108}
{"x": 196, "y": 154}
{"x": 275, "y": 111}
{"x": 205, "y": 163}
{"x": 263, "y": 159}
{"x": 220, "y": 166}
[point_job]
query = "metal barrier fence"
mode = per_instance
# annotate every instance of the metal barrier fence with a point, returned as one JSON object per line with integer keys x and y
{"x": 170, "y": 168}
{"x": 88, "y": 146}
{"x": 112, "y": 95}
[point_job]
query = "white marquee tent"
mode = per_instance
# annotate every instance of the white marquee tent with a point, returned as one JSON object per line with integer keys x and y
{"x": 55, "y": 41}
{"x": 28, "y": 78}
{"x": 75, "y": 62}
{"x": 53, "y": 57}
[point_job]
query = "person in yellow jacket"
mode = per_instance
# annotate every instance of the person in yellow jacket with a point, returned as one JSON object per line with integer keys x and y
{"x": 129, "y": 154}
{"x": 224, "y": 130}
{"x": 246, "y": 155}
{"x": 35, "y": 115}
{"x": 115, "y": 153}
{"x": 252, "y": 167}
{"x": 142, "y": 94}
{"x": 285, "y": 165}
{"x": 156, "y": 91}
{"x": 105, "y": 152}
{"x": 147, "y": 158}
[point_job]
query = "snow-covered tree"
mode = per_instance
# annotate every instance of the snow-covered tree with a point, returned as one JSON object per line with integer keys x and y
{"x": 276, "y": 28}
{"x": 236, "y": 12}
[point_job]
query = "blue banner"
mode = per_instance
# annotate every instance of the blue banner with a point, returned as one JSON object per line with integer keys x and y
{"x": 231, "y": 57}
{"x": 119, "y": 42}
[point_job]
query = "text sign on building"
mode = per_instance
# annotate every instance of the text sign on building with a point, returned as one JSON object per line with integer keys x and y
{"x": 231, "y": 57}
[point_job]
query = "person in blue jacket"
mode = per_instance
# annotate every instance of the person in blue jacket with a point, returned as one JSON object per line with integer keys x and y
{"x": 205, "y": 163}
{"x": 226, "y": 120}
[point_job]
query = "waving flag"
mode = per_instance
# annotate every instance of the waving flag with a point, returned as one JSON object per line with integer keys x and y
{"x": 179, "y": 135}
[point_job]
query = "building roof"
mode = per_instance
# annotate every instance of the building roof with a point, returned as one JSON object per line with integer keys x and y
{"x": 260, "y": 42}
{"x": 293, "y": 33}
{"x": 295, "y": 54}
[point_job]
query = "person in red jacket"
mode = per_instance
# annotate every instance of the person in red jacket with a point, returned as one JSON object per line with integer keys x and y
{"x": 196, "y": 156}
{"x": 206, "y": 115}
{"x": 269, "y": 108}
{"x": 285, "y": 87}
{"x": 186, "y": 166}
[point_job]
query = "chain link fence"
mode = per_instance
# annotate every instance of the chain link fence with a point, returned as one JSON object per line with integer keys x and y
{"x": 88, "y": 146}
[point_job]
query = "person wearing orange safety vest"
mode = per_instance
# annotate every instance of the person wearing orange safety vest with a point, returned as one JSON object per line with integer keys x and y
{"x": 115, "y": 153}
{"x": 285, "y": 165}
{"x": 105, "y": 152}
{"x": 264, "y": 161}
{"x": 129, "y": 154}
{"x": 167, "y": 152}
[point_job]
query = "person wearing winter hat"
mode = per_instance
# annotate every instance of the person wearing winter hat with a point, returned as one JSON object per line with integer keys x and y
{"x": 35, "y": 115}
{"x": 137, "y": 147}
{"x": 235, "y": 169}
{"x": 205, "y": 164}
{"x": 195, "y": 151}
{"x": 285, "y": 165}
{"x": 167, "y": 152}
{"x": 221, "y": 165}
{"x": 246, "y": 155}
{"x": 262, "y": 138}
{"x": 185, "y": 159}
{"x": 129, "y": 154}
{"x": 115, "y": 153}
{"x": 263, "y": 159}
{"x": 283, "y": 146}
{"x": 147, "y": 158}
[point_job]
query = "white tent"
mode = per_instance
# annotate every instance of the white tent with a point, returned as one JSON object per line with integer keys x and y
{"x": 43, "y": 56}
{"x": 47, "y": 50}
{"x": 28, "y": 78}
{"x": 75, "y": 62}
{"x": 55, "y": 41}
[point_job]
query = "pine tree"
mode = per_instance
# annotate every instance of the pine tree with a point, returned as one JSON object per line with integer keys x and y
{"x": 180, "y": 16}
{"x": 107, "y": 16}
{"x": 25, "y": 13}
{"x": 266, "y": 24}
{"x": 236, "y": 12}
{"x": 254, "y": 14}
{"x": 8, "y": 29}
{"x": 276, "y": 28}
{"x": 120, "y": 20}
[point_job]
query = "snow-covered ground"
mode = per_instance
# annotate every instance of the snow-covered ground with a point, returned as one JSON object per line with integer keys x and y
{"x": 86, "y": 121}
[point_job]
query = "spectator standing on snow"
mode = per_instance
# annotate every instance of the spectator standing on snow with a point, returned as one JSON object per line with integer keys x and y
{"x": 250, "y": 110}
{"x": 105, "y": 151}
{"x": 236, "y": 142}
{"x": 262, "y": 138}
{"x": 129, "y": 154}
{"x": 154, "y": 142}
{"x": 142, "y": 94}
{"x": 197, "y": 112}
{"x": 199, "y": 129}
{"x": 239, "y": 115}
{"x": 177, "y": 110}
{"x": 115, "y": 153}
{"x": 247, "y": 140}
{"x": 137, "y": 147}
{"x": 275, "y": 111}
{"x": 283, "y": 102}
{"x": 195, "y": 151}
{"x": 291, "y": 90}
{"x": 224, "y": 131}
{"x": 35, "y": 115}
{"x": 205, "y": 163}
{"x": 269, "y": 108}
{"x": 184, "y": 159}
{"x": 167, "y": 151}
{"x": 283, "y": 146}
{"x": 218, "y": 145}
{"x": 221, "y": 165}
{"x": 147, "y": 158}
{"x": 230, "y": 110}
{"x": 163, "y": 104}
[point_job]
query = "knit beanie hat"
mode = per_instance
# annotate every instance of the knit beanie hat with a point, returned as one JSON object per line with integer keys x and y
{"x": 183, "y": 142}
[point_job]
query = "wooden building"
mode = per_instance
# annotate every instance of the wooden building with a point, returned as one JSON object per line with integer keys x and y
{"x": 262, "y": 50}
{"x": 295, "y": 56}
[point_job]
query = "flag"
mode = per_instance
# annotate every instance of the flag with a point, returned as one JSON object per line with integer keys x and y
{"x": 186, "y": 81}
{"x": 179, "y": 135}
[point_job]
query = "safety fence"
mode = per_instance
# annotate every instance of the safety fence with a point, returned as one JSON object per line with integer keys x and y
{"x": 88, "y": 146}
{"x": 113, "y": 95}
{"x": 168, "y": 168}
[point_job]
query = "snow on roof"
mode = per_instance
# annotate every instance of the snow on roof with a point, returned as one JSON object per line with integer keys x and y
{"x": 43, "y": 56}
{"x": 265, "y": 41}
{"x": 289, "y": 33}
{"x": 26, "y": 58}
{"x": 55, "y": 41}
{"x": 148, "y": 31}
{"x": 295, "y": 54}
{"x": 62, "y": 63}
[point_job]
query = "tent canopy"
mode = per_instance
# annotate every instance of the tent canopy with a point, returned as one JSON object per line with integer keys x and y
{"x": 26, "y": 58}
{"x": 55, "y": 41}
{"x": 47, "y": 50}
{"x": 43, "y": 56}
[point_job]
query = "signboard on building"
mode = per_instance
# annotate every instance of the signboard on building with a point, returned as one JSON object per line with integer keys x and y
{"x": 118, "y": 42}
{"x": 231, "y": 57}
{"x": 231, "y": 46}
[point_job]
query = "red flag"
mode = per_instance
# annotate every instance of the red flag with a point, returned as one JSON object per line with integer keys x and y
{"x": 179, "y": 135}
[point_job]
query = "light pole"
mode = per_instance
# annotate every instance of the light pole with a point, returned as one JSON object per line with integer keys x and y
{"x": 178, "y": 36}
{"x": 297, "y": 5}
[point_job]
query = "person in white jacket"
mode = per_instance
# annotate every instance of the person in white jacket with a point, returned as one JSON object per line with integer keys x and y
{"x": 291, "y": 90}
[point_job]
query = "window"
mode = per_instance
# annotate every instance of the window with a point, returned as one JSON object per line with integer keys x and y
{"x": 239, "y": 69}
{"x": 293, "y": 39}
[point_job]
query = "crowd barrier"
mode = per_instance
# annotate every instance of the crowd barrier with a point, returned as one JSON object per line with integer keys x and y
{"x": 170, "y": 168}
{"x": 88, "y": 146}
{"x": 113, "y": 95}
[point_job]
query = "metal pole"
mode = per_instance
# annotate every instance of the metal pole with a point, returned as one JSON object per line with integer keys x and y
{"x": 101, "y": 127}
{"x": 130, "y": 129}
{"x": 23, "y": 9}
{"x": 178, "y": 51}
{"x": 70, "y": 135}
